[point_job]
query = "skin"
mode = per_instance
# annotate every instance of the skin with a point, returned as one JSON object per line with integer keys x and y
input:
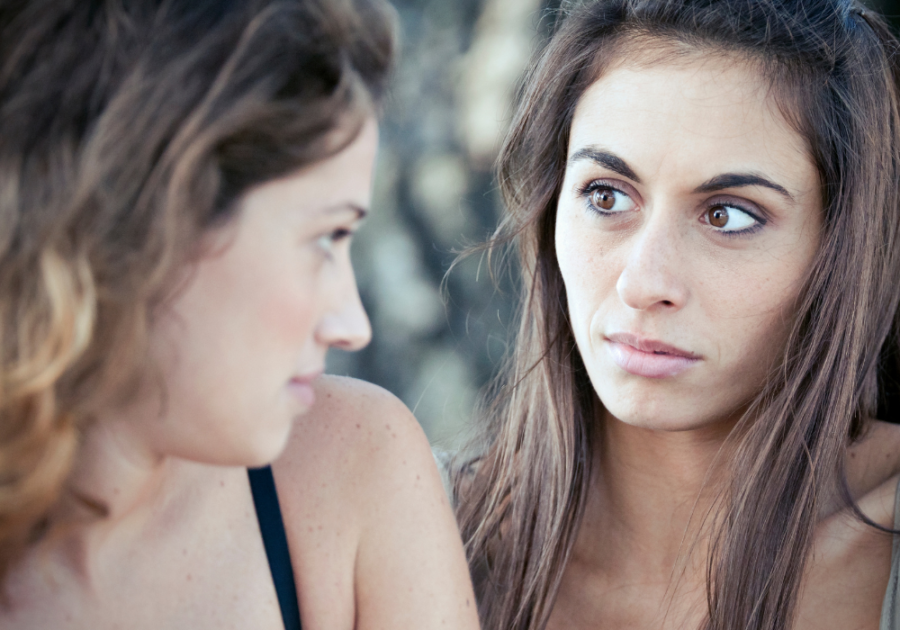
{"x": 659, "y": 145}
{"x": 239, "y": 351}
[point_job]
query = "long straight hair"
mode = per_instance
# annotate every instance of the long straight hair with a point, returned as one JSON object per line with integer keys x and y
{"x": 833, "y": 69}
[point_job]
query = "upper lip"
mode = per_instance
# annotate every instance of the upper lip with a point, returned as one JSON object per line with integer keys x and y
{"x": 650, "y": 345}
{"x": 307, "y": 377}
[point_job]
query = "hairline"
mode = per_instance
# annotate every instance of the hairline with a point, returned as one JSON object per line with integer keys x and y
{"x": 628, "y": 49}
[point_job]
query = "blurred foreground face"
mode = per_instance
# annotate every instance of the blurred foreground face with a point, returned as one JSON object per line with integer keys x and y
{"x": 688, "y": 219}
{"x": 239, "y": 346}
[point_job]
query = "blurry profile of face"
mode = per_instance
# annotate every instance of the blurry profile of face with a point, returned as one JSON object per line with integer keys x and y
{"x": 687, "y": 222}
{"x": 240, "y": 345}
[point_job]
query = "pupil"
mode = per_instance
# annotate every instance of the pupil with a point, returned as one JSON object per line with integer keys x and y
{"x": 718, "y": 217}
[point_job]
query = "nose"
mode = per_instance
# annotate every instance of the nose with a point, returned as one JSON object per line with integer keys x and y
{"x": 651, "y": 278}
{"x": 346, "y": 326}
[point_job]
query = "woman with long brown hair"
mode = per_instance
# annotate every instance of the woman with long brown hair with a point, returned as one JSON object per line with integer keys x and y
{"x": 704, "y": 196}
{"x": 179, "y": 182}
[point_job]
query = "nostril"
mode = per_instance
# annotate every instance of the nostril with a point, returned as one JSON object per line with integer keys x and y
{"x": 668, "y": 303}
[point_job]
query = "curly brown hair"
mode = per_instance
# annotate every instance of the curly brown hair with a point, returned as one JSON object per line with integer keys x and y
{"x": 128, "y": 128}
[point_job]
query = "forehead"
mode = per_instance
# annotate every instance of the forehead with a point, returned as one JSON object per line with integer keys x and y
{"x": 704, "y": 114}
{"x": 341, "y": 179}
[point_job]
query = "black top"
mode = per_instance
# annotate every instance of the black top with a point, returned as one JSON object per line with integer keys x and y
{"x": 271, "y": 525}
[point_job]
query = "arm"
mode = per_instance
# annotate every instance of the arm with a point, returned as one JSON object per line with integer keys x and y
{"x": 369, "y": 465}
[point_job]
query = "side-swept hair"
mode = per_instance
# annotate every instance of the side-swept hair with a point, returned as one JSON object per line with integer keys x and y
{"x": 833, "y": 68}
{"x": 127, "y": 129}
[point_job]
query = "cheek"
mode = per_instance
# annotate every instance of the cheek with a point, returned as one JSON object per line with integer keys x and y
{"x": 750, "y": 313}
{"x": 273, "y": 302}
{"x": 289, "y": 314}
{"x": 242, "y": 318}
{"x": 755, "y": 299}
{"x": 588, "y": 270}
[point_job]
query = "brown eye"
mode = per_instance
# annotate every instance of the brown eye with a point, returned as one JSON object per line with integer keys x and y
{"x": 718, "y": 216}
{"x": 604, "y": 198}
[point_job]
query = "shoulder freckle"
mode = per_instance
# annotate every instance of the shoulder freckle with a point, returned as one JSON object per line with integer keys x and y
{"x": 353, "y": 403}
{"x": 874, "y": 459}
{"x": 368, "y": 430}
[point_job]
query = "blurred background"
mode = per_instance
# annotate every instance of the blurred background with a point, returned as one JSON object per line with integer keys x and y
{"x": 438, "y": 339}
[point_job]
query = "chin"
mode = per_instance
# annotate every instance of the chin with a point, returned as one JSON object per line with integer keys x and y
{"x": 653, "y": 421}
{"x": 268, "y": 447}
{"x": 651, "y": 404}
{"x": 666, "y": 413}
{"x": 258, "y": 445}
{"x": 653, "y": 411}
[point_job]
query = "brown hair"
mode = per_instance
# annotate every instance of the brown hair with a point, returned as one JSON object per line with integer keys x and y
{"x": 128, "y": 129}
{"x": 834, "y": 71}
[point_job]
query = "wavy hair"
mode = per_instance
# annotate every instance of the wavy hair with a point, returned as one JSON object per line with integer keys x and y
{"x": 128, "y": 129}
{"x": 835, "y": 74}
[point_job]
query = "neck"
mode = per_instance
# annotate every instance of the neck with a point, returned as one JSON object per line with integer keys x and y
{"x": 116, "y": 470}
{"x": 652, "y": 493}
{"x": 118, "y": 490}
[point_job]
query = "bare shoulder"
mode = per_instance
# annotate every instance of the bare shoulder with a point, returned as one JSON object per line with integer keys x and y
{"x": 360, "y": 428}
{"x": 848, "y": 572}
{"x": 356, "y": 440}
{"x": 873, "y": 469}
{"x": 370, "y": 519}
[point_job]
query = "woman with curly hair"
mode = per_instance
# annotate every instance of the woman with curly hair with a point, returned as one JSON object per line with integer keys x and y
{"x": 179, "y": 182}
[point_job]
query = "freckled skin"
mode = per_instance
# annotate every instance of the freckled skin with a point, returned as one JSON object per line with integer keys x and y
{"x": 661, "y": 272}
{"x": 666, "y": 263}
{"x": 263, "y": 306}
{"x": 383, "y": 524}
{"x": 181, "y": 545}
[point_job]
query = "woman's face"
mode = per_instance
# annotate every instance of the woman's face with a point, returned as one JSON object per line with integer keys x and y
{"x": 687, "y": 222}
{"x": 239, "y": 346}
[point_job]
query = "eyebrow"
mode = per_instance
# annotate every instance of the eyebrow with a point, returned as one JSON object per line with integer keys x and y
{"x": 719, "y": 182}
{"x": 361, "y": 213}
{"x": 736, "y": 180}
{"x": 609, "y": 160}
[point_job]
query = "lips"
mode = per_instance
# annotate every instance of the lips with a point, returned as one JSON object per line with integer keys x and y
{"x": 649, "y": 358}
{"x": 301, "y": 388}
{"x": 307, "y": 378}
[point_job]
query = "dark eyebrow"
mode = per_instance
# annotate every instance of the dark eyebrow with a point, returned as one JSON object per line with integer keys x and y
{"x": 609, "y": 160}
{"x": 719, "y": 182}
{"x": 736, "y": 180}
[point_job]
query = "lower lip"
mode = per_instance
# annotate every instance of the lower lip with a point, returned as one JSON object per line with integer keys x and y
{"x": 649, "y": 364}
{"x": 303, "y": 392}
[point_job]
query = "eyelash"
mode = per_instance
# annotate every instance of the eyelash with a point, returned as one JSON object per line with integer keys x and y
{"x": 586, "y": 191}
{"x": 340, "y": 234}
{"x": 756, "y": 227}
{"x": 327, "y": 241}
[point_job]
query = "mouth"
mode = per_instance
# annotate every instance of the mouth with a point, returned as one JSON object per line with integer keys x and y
{"x": 649, "y": 358}
{"x": 301, "y": 388}
{"x": 306, "y": 378}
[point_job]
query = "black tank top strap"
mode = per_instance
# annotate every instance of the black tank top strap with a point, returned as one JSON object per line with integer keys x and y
{"x": 271, "y": 526}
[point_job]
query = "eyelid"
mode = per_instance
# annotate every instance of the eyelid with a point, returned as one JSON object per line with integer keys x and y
{"x": 327, "y": 240}
{"x": 757, "y": 214}
{"x": 605, "y": 182}
{"x": 755, "y": 210}
{"x": 585, "y": 192}
{"x": 341, "y": 233}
